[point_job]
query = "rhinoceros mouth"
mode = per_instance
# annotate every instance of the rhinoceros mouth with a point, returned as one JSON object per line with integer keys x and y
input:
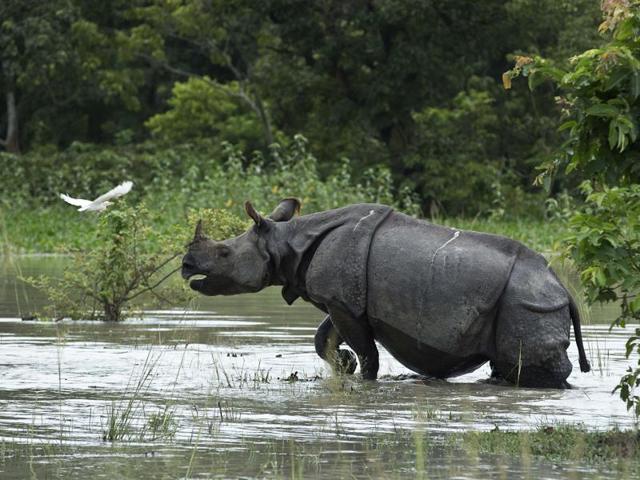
{"x": 196, "y": 283}
{"x": 188, "y": 273}
{"x": 212, "y": 285}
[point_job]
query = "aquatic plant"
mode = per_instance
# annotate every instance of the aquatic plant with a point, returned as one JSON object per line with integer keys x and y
{"x": 558, "y": 442}
{"x": 161, "y": 425}
{"x": 121, "y": 414}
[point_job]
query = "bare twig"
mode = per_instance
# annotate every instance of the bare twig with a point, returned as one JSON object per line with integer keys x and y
{"x": 150, "y": 288}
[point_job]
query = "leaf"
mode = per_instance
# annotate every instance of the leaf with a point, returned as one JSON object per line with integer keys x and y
{"x": 634, "y": 305}
{"x": 602, "y": 110}
{"x": 613, "y": 134}
{"x": 567, "y": 125}
{"x": 506, "y": 80}
{"x": 635, "y": 85}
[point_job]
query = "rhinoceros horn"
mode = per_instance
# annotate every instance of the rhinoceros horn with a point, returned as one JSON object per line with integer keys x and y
{"x": 199, "y": 235}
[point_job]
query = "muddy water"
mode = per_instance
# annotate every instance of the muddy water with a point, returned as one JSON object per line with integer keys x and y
{"x": 231, "y": 387}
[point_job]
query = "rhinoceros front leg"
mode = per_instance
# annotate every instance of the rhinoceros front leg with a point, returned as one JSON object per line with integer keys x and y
{"x": 358, "y": 335}
{"x": 327, "y": 341}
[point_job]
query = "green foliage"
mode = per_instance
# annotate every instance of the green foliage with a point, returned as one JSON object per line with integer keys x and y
{"x": 407, "y": 85}
{"x": 201, "y": 181}
{"x": 292, "y": 170}
{"x": 103, "y": 280}
{"x": 126, "y": 263}
{"x": 222, "y": 171}
{"x": 202, "y": 108}
{"x": 218, "y": 223}
{"x": 127, "y": 252}
{"x": 64, "y": 71}
{"x": 452, "y": 138}
{"x": 606, "y": 246}
{"x": 601, "y": 103}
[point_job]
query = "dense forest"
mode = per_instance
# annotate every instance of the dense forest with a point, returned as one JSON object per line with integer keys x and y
{"x": 412, "y": 87}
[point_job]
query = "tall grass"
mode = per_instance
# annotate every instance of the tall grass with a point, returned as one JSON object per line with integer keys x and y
{"x": 125, "y": 412}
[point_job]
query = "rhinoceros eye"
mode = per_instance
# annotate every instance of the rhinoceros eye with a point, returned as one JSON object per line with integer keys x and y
{"x": 224, "y": 251}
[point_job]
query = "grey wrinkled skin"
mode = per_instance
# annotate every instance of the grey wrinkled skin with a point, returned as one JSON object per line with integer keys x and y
{"x": 442, "y": 301}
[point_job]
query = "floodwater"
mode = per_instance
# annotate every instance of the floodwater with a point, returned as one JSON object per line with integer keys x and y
{"x": 231, "y": 387}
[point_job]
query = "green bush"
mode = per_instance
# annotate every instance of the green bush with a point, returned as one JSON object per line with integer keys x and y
{"x": 203, "y": 108}
{"x": 127, "y": 265}
{"x": 127, "y": 253}
{"x": 103, "y": 280}
{"x": 291, "y": 171}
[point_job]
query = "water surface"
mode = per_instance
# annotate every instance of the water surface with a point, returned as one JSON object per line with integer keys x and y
{"x": 232, "y": 387}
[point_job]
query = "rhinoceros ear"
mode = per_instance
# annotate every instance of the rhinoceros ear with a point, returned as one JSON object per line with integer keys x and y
{"x": 286, "y": 209}
{"x": 255, "y": 216}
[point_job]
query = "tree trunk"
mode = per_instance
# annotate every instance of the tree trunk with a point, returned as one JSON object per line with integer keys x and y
{"x": 11, "y": 143}
{"x": 112, "y": 311}
{"x": 264, "y": 120}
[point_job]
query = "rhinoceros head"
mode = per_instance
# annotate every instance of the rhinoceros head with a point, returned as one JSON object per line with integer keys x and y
{"x": 236, "y": 265}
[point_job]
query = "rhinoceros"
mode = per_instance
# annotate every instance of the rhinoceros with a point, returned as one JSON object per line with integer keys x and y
{"x": 442, "y": 301}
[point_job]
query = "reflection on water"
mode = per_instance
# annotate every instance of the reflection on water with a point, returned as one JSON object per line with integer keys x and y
{"x": 234, "y": 388}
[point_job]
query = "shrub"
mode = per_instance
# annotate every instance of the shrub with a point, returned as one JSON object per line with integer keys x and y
{"x": 102, "y": 282}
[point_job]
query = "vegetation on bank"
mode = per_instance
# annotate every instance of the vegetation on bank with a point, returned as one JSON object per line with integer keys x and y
{"x": 619, "y": 449}
{"x": 172, "y": 183}
{"x": 60, "y": 229}
{"x": 127, "y": 252}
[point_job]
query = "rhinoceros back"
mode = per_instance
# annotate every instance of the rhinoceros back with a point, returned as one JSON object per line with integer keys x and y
{"x": 433, "y": 293}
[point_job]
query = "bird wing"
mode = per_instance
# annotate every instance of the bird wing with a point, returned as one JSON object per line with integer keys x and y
{"x": 116, "y": 192}
{"x": 78, "y": 202}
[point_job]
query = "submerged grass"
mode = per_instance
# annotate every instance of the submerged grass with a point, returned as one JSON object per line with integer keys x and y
{"x": 122, "y": 414}
{"x": 559, "y": 442}
{"x": 552, "y": 451}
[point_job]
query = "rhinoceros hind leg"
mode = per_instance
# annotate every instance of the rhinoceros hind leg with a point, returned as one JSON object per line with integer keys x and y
{"x": 327, "y": 341}
{"x": 534, "y": 376}
{"x": 531, "y": 343}
{"x": 357, "y": 333}
{"x": 552, "y": 372}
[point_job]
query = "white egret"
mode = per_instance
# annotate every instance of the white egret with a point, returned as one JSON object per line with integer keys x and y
{"x": 100, "y": 203}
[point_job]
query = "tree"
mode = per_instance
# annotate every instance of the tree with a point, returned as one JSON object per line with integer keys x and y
{"x": 200, "y": 109}
{"x": 362, "y": 80}
{"x": 601, "y": 103}
{"x": 60, "y": 73}
{"x": 33, "y": 50}
{"x": 222, "y": 39}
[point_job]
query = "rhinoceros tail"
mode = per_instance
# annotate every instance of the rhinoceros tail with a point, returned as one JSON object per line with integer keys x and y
{"x": 575, "y": 319}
